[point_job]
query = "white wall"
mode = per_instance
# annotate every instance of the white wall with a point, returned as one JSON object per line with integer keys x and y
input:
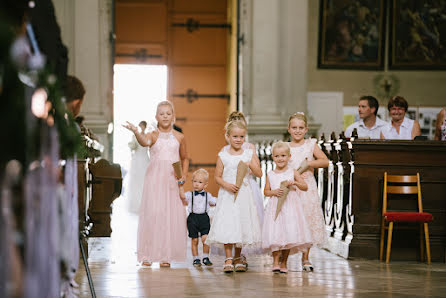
{"x": 274, "y": 58}
{"x": 86, "y": 25}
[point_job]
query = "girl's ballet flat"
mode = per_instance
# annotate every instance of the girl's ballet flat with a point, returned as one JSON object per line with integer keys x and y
{"x": 276, "y": 269}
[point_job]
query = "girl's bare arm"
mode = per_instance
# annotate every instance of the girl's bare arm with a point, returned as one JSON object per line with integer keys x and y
{"x": 269, "y": 192}
{"x": 300, "y": 182}
{"x": 321, "y": 160}
{"x": 184, "y": 157}
{"x": 145, "y": 140}
{"x": 219, "y": 179}
{"x": 254, "y": 165}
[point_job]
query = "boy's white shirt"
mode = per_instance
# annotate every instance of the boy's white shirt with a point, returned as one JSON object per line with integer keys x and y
{"x": 199, "y": 202}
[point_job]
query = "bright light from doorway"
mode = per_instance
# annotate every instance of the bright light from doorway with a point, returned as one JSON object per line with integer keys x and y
{"x": 138, "y": 90}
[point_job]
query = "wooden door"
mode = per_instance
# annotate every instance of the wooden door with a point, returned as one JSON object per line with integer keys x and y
{"x": 156, "y": 32}
{"x": 197, "y": 65}
{"x": 141, "y": 31}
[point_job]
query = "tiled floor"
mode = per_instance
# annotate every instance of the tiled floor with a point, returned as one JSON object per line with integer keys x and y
{"x": 116, "y": 274}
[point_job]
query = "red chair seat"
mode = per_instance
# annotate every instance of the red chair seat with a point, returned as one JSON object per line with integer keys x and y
{"x": 408, "y": 216}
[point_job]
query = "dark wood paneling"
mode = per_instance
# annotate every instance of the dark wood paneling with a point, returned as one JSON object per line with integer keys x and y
{"x": 372, "y": 159}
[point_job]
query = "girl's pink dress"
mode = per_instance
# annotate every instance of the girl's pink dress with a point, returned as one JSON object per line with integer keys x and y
{"x": 290, "y": 230}
{"x": 311, "y": 202}
{"x": 162, "y": 231}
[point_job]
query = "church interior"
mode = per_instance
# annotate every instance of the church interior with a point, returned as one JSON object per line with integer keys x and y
{"x": 83, "y": 88}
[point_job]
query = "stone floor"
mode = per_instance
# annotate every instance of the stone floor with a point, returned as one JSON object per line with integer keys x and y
{"x": 115, "y": 273}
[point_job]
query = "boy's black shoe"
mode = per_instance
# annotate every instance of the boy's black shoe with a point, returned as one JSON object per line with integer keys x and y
{"x": 197, "y": 263}
{"x": 207, "y": 262}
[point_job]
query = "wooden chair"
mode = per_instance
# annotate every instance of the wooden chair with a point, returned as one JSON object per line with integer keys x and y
{"x": 404, "y": 185}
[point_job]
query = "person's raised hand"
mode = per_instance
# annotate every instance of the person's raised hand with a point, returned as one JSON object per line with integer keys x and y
{"x": 130, "y": 127}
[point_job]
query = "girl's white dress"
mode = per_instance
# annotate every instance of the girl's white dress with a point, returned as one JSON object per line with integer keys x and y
{"x": 137, "y": 171}
{"x": 258, "y": 196}
{"x": 235, "y": 221}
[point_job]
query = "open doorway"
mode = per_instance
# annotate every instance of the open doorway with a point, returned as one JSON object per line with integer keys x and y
{"x": 137, "y": 91}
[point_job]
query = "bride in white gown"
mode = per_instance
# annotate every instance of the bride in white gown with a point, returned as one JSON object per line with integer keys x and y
{"x": 137, "y": 171}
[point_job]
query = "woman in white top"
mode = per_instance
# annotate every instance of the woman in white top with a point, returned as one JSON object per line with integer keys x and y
{"x": 400, "y": 127}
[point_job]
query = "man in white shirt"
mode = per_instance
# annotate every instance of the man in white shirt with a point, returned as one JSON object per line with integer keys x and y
{"x": 369, "y": 126}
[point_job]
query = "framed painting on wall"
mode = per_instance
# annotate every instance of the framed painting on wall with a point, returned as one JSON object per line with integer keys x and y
{"x": 417, "y": 34}
{"x": 351, "y": 34}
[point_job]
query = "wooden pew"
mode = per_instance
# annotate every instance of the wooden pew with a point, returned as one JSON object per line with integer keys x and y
{"x": 99, "y": 184}
{"x": 106, "y": 183}
{"x": 372, "y": 159}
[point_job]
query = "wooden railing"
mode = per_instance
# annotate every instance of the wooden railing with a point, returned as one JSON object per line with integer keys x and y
{"x": 334, "y": 188}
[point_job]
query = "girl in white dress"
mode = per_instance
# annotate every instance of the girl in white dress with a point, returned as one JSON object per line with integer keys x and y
{"x": 236, "y": 223}
{"x": 137, "y": 171}
{"x": 258, "y": 196}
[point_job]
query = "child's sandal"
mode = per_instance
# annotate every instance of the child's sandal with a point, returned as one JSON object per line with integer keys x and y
{"x": 307, "y": 266}
{"x": 240, "y": 267}
{"x": 228, "y": 268}
{"x": 244, "y": 261}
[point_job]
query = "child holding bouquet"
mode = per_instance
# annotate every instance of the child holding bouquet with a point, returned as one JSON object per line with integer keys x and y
{"x": 285, "y": 229}
{"x": 236, "y": 222}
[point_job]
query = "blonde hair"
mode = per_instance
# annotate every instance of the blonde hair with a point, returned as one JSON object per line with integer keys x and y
{"x": 201, "y": 172}
{"x": 236, "y": 115}
{"x": 165, "y": 103}
{"x": 281, "y": 145}
{"x": 299, "y": 116}
{"x": 234, "y": 124}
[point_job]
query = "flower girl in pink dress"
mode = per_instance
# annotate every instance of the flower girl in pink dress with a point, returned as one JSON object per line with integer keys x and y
{"x": 289, "y": 233}
{"x": 306, "y": 153}
{"x": 162, "y": 217}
